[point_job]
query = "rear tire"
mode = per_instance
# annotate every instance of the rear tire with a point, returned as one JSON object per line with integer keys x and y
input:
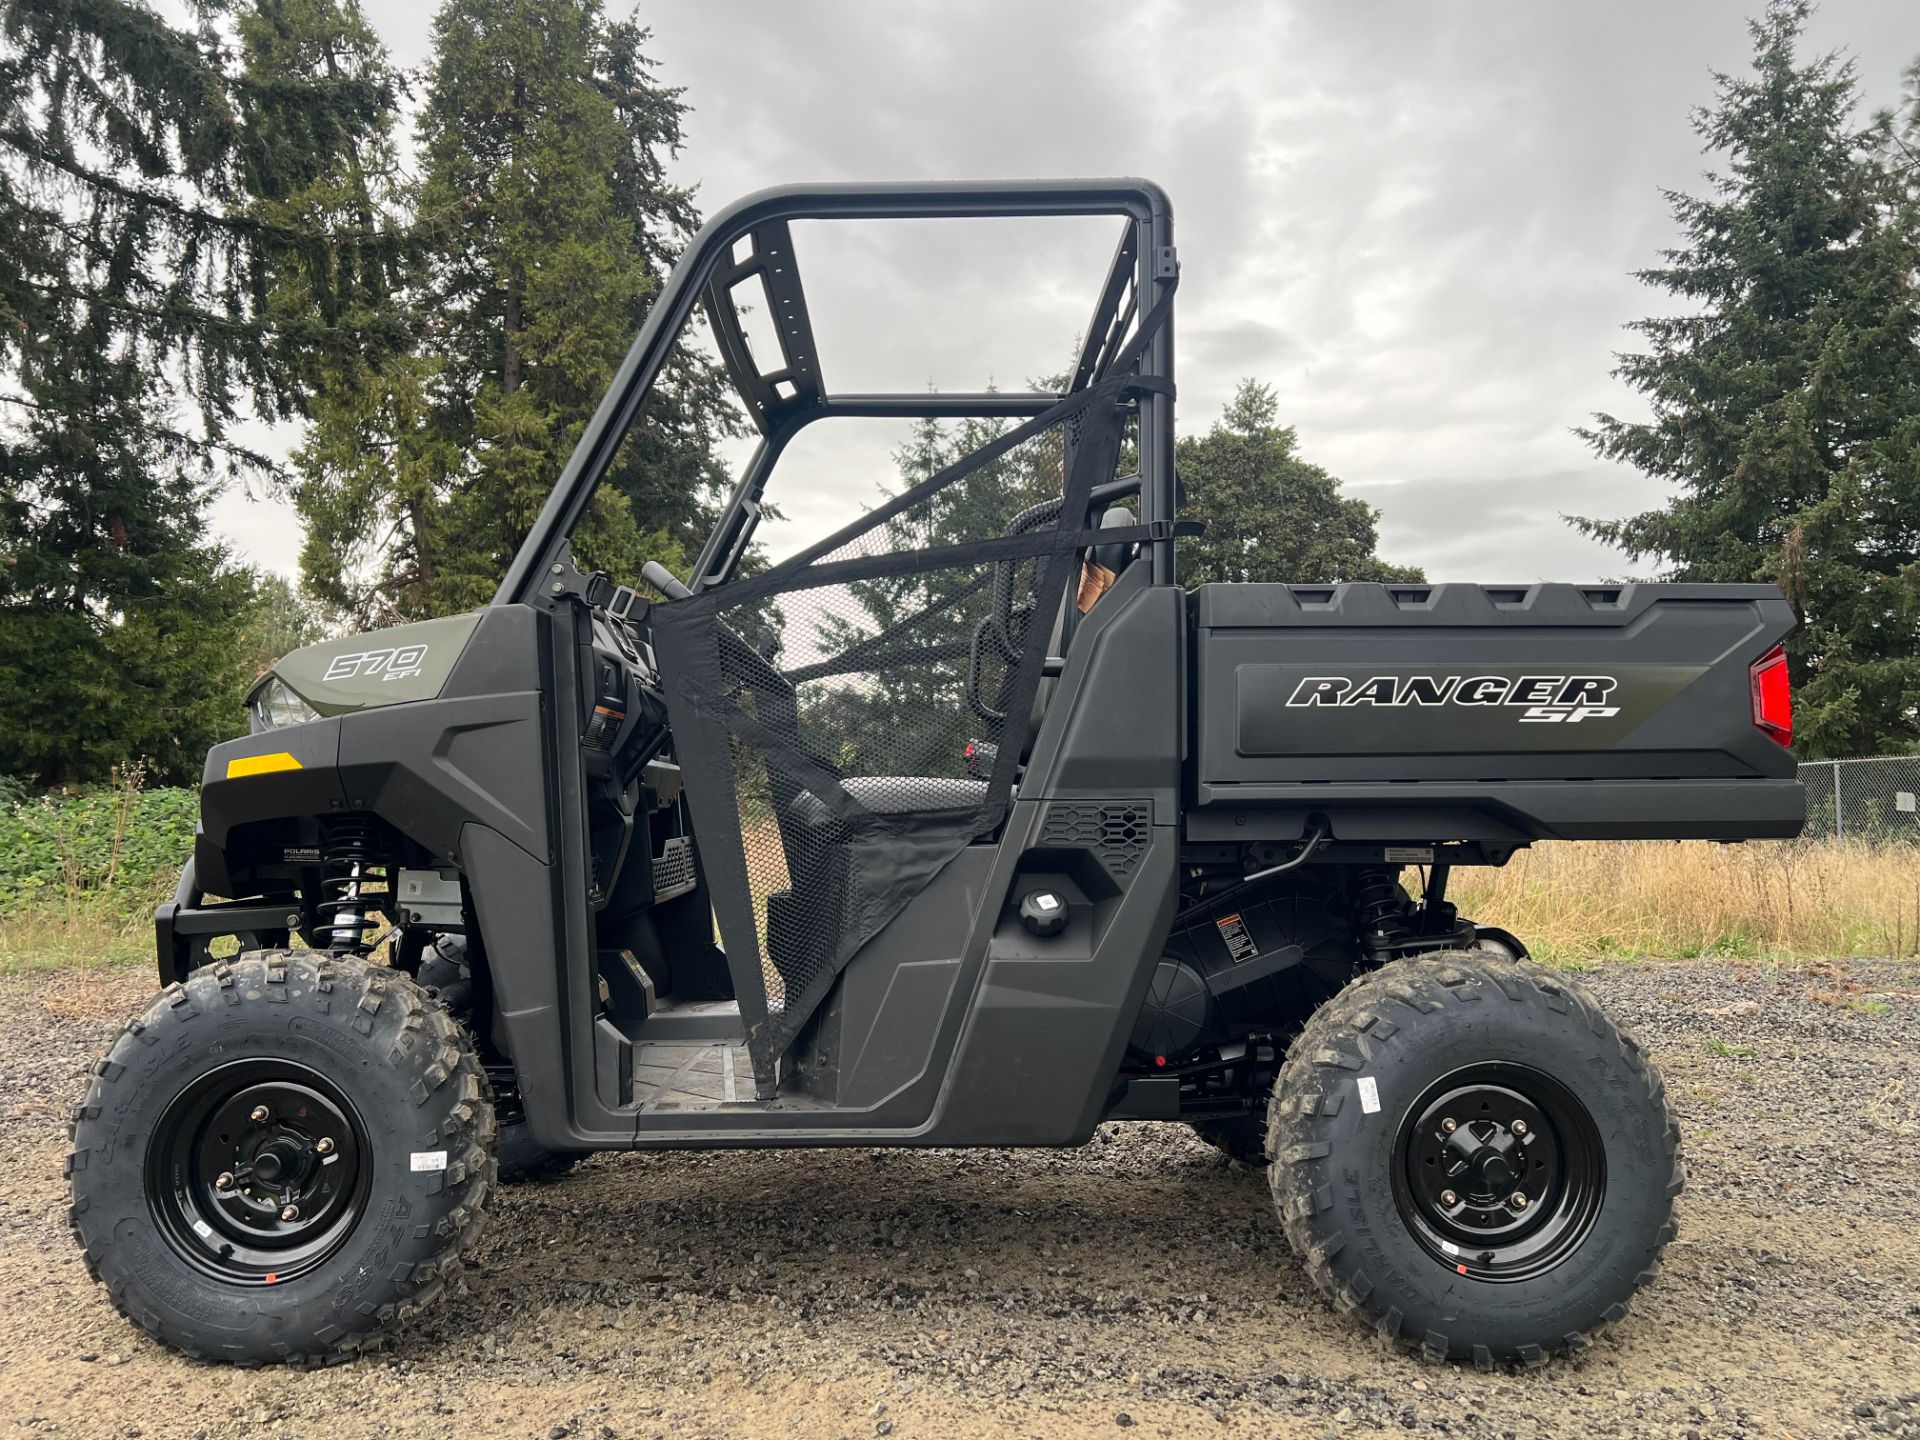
{"x": 282, "y": 1159}
{"x": 1412, "y": 1110}
{"x": 1242, "y": 1139}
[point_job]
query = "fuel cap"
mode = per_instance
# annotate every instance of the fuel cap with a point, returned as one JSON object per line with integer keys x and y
{"x": 1044, "y": 913}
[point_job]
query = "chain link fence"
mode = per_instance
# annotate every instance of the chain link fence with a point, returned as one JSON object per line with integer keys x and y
{"x": 1876, "y": 799}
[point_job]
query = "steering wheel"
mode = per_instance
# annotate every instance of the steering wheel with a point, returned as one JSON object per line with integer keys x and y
{"x": 1005, "y": 625}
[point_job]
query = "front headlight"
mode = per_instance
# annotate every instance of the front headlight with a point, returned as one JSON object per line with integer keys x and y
{"x": 274, "y": 706}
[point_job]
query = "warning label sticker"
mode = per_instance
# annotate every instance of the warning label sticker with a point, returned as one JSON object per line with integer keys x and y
{"x": 1369, "y": 1094}
{"x": 1240, "y": 944}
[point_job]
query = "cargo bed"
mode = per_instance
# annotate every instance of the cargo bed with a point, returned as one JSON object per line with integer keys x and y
{"x": 1481, "y": 712}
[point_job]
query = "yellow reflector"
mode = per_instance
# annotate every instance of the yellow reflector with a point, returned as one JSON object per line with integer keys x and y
{"x": 245, "y": 765}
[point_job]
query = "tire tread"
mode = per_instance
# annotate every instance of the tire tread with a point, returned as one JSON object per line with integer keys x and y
{"x": 446, "y": 1058}
{"x": 1297, "y": 1128}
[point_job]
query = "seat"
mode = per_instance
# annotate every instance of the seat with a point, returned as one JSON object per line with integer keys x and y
{"x": 896, "y": 795}
{"x": 936, "y": 795}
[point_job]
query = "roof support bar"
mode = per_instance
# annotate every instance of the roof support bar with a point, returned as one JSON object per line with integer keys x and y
{"x": 766, "y": 217}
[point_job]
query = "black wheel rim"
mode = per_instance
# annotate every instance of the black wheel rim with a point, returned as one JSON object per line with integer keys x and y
{"x": 1499, "y": 1171}
{"x": 259, "y": 1171}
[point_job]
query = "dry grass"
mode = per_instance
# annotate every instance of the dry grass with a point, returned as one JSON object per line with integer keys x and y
{"x": 1574, "y": 905}
{"x": 87, "y": 994}
{"x": 1580, "y": 904}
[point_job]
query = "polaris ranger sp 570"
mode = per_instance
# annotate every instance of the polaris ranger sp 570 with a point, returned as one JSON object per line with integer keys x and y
{"x": 963, "y": 825}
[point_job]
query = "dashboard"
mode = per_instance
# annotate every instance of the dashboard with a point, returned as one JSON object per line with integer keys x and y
{"x": 625, "y": 716}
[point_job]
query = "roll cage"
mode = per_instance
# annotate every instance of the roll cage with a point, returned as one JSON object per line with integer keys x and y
{"x": 784, "y": 395}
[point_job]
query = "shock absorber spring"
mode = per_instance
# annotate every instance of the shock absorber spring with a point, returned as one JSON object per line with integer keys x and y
{"x": 344, "y": 860}
{"x": 1378, "y": 909}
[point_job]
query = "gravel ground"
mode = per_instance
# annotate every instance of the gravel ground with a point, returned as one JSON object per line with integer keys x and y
{"x": 1140, "y": 1283}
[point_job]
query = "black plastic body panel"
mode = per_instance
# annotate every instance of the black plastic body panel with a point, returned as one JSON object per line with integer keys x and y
{"x": 1475, "y": 712}
{"x": 1046, "y": 1030}
{"x": 477, "y": 753}
{"x": 875, "y": 1032}
{"x": 516, "y": 900}
{"x": 1048, "y": 1027}
{"x": 312, "y": 789}
{"x": 432, "y": 768}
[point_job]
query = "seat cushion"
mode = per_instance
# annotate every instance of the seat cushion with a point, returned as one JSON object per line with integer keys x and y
{"x": 898, "y": 795}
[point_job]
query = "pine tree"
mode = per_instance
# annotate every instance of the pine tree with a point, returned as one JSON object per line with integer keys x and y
{"x": 546, "y": 223}
{"x": 1785, "y": 397}
{"x": 366, "y": 452}
{"x": 133, "y": 277}
{"x": 1270, "y": 515}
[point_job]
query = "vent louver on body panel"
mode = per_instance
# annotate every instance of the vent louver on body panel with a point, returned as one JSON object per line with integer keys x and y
{"x": 673, "y": 869}
{"x": 1115, "y": 831}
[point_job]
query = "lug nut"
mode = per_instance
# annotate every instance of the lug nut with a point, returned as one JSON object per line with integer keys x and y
{"x": 1519, "y": 1127}
{"x": 260, "y": 1112}
{"x": 1519, "y": 1201}
{"x": 1447, "y": 1197}
{"x": 225, "y": 1182}
{"x": 290, "y": 1212}
{"x": 324, "y": 1145}
{"x": 1449, "y": 1125}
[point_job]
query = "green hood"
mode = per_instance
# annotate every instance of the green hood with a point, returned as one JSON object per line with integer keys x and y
{"x": 381, "y": 667}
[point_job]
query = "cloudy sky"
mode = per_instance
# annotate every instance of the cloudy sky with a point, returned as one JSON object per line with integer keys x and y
{"x": 1415, "y": 219}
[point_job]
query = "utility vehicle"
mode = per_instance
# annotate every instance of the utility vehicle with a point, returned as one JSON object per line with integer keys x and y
{"x": 965, "y": 824}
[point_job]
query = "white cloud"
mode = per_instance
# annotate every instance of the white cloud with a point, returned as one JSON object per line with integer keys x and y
{"x": 1415, "y": 219}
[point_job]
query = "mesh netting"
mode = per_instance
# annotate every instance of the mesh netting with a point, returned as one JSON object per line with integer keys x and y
{"x": 862, "y": 707}
{"x": 866, "y": 756}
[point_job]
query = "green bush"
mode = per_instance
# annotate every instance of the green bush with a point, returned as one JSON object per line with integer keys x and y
{"x": 114, "y": 852}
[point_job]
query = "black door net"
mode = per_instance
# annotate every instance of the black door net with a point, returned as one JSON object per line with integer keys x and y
{"x": 850, "y": 719}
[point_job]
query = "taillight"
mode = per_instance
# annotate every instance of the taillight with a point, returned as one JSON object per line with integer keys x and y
{"x": 1772, "y": 696}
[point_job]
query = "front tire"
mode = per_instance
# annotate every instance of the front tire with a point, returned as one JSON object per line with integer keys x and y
{"x": 444, "y": 973}
{"x": 282, "y": 1159}
{"x": 1242, "y": 1139}
{"x": 524, "y": 1159}
{"x": 1470, "y": 1155}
